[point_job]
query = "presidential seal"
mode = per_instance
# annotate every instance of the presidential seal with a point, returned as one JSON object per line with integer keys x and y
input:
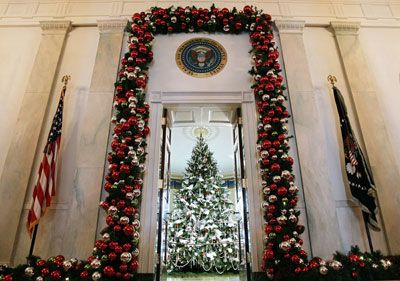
{"x": 201, "y": 57}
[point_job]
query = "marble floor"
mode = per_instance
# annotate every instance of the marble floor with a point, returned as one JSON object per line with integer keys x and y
{"x": 206, "y": 278}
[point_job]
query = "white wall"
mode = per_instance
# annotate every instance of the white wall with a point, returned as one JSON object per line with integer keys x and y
{"x": 381, "y": 46}
{"x": 166, "y": 76}
{"x": 18, "y": 47}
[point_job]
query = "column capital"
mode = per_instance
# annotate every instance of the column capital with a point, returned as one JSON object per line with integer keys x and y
{"x": 111, "y": 26}
{"x": 290, "y": 26}
{"x": 345, "y": 27}
{"x": 55, "y": 26}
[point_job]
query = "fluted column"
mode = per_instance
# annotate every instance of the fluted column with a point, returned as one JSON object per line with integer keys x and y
{"x": 20, "y": 156}
{"x": 372, "y": 125}
{"x": 318, "y": 190}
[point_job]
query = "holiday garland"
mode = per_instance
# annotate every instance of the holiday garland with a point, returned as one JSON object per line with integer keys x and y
{"x": 115, "y": 256}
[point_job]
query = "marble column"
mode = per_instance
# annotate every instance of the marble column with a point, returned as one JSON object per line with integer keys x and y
{"x": 319, "y": 198}
{"x": 95, "y": 128}
{"x": 26, "y": 132}
{"x": 373, "y": 128}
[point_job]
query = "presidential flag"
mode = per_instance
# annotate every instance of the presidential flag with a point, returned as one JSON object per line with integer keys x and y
{"x": 45, "y": 186}
{"x": 358, "y": 174}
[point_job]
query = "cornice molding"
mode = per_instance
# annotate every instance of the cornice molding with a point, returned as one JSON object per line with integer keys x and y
{"x": 345, "y": 27}
{"x": 112, "y": 25}
{"x": 55, "y": 26}
{"x": 290, "y": 26}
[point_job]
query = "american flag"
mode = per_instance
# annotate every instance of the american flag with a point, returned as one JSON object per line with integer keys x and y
{"x": 46, "y": 182}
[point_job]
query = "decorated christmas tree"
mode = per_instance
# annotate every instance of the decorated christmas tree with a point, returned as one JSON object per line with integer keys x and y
{"x": 202, "y": 233}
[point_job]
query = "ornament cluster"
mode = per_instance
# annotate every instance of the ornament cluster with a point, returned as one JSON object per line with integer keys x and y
{"x": 115, "y": 256}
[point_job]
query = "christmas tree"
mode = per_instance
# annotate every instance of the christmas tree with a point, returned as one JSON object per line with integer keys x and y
{"x": 202, "y": 233}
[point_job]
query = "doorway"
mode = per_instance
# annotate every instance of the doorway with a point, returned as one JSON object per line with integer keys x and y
{"x": 202, "y": 202}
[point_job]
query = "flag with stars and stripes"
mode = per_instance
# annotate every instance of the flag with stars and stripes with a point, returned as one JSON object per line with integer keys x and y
{"x": 358, "y": 174}
{"x": 45, "y": 186}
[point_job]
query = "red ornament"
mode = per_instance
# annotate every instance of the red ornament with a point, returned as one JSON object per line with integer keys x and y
{"x": 354, "y": 274}
{"x": 45, "y": 271}
{"x": 40, "y": 263}
{"x": 109, "y": 271}
{"x": 269, "y": 255}
{"x": 275, "y": 167}
{"x": 282, "y": 191}
{"x": 128, "y": 230}
{"x": 55, "y": 275}
{"x": 84, "y": 274}
{"x": 297, "y": 270}
{"x": 134, "y": 265}
{"x": 123, "y": 267}
{"x": 112, "y": 256}
{"x": 295, "y": 259}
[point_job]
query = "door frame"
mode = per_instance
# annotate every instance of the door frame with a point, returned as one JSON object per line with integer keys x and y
{"x": 157, "y": 100}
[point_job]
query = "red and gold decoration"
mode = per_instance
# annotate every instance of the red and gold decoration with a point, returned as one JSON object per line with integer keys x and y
{"x": 115, "y": 256}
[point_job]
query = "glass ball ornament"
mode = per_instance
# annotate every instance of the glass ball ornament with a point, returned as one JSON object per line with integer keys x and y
{"x": 96, "y": 275}
{"x": 272, "y": 198}
{"x": 135, "y": 252}
{"x": 337, "y": 265}
{"x": 106, "y": 237}
{"x": 124, "y": 220}
{"x": 323, "y": 270}
{"x": 67, "y": 265}
{"x": 281, "y": 220}
{"x": 29, "y": 271}
{"x": 40, "y": 278}
{"x": 112, "y": 210}
{"x": 285, "y": 246}
{"x": 129, "y": 196}
{"x": 126, "y": 257}
{"x": 96, "y": 263}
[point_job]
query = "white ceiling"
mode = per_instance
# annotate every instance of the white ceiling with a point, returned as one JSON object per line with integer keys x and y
{"x": 217, "y": 120}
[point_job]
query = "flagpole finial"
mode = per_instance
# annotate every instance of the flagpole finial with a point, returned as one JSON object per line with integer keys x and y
{"x": 332, "y": 79}
{"x": 65, "y": 79}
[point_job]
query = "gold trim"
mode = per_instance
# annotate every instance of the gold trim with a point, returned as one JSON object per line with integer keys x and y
{"x": 180, "y": 64}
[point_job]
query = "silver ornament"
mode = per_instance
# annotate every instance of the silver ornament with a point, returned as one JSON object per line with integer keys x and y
{"x": 285, "y": 246}
{"x": 96, "y": 275}
{"x": 124, "y": 220}
{"x": 323, "y": 270}
{"x": 29, "y": 271}
{"x": 95, "y": 263}
{"x": 336, "y": 265}
{"x": 40, "y": 278}
{"x": 126, "y": 257}
{"x": 67, "y": 265}
{"x": 112, "y": 210}
{"x": 135, "y": 252}
{"x": 129, "y": 195}
{"x": 272, "y": 198}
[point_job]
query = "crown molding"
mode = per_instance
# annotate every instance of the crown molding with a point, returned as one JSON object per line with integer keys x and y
{"x": 55, "y": 26}
{"x": 290, "y": 26}
{"x": 112, "y": 25}
{"x": 345, "y": 27}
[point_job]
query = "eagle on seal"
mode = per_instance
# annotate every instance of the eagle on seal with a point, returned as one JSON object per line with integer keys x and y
{"x": 201, "y": 55}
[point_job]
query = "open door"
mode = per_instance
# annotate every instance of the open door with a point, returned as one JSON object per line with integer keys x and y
{"x": 163, "y": 199}
{"x": 241, "y": 197}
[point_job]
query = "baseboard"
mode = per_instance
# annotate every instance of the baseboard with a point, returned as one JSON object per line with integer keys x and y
{"x": 146, "y": 276}
{"x": 258, "y": 276}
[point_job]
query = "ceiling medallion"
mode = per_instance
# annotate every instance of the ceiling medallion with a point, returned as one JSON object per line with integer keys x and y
{"x": 201, "y": 57}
